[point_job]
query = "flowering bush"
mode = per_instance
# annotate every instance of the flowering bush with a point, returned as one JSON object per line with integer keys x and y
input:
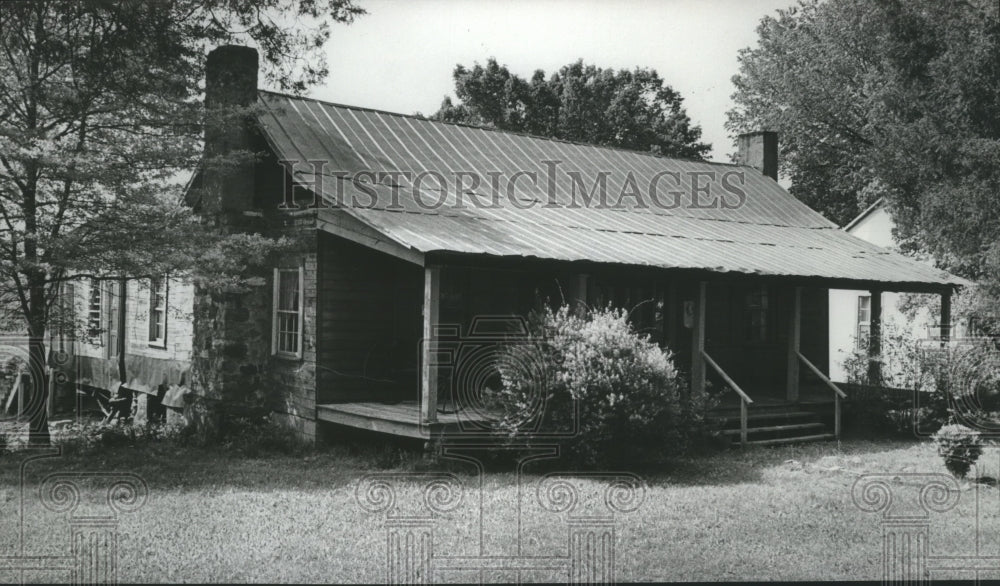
{"x": 904, "y": 363}
{"x": 960, "y": 447}
{"x": 612, "y": 395}
{"x": 957, "y": 382}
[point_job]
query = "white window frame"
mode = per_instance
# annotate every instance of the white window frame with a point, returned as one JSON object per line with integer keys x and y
{"x": 160, "y": 342}
{"x": 275, "y": 311}
{"x": 112, "y": 291}
{"x": 861, "y": 342}
{"x": 95, "y": 321}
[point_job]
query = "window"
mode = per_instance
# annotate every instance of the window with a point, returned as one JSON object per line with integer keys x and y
{"x": 756, "y": 314}
{"x": 158, "y": 312}
{"x": 864, "y": 321}
{"x": 113, "y": 326}
{"x": 286, "y": 327}
{"x": 95, "y": 305}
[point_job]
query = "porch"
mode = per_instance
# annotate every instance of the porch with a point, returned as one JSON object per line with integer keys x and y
{"x": 813, "y": 412}
{"x": 403, "y": 418}
{"x": 389, "y": 358}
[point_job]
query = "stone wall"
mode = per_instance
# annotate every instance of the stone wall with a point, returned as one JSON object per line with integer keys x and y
{"x": 232, "y": 337}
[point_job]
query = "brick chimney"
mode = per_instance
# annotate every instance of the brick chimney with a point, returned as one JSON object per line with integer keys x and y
{"x": 230, "y": 132}
{"x": 760, "y": 151}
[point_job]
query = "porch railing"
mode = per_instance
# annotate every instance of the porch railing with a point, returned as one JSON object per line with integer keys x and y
{"x": 837, "y": 393}
{"x": 745, "y": 400}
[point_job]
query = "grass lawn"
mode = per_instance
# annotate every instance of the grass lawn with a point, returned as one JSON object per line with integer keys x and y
{"x": 782, "y": 513}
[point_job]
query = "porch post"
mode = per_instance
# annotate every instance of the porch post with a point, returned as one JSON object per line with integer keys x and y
{"x": 698, "y": 341}
{"x": 794, "y": 343}
{"x": 945, "y": 318}
{"x": 670, "y": 315}
{"x": 875, "y": 340}
{"x": 428, "y": 369}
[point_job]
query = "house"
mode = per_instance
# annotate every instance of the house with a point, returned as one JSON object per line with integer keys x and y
{"x": 850, "y": 310}
{"x": 418, "y": 241}
{"x": 137, "y": 334}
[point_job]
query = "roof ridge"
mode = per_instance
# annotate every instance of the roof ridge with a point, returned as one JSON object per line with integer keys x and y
{"x": 501, "y": 131}
{"x": 871, "y": 208}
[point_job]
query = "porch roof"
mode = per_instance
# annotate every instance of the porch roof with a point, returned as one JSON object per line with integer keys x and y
{"x": 772, "y": 233}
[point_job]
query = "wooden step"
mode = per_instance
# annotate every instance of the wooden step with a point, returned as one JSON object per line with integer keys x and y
{"x": 761, "y": 413}
{"x": 779, "y": 414}
{"x": 762, "y": 417}
{"x": 794, "y": 426}
{"x": 792, "y": 440}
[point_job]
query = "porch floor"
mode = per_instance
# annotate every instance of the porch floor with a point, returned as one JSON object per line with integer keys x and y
{"x": 401, "y": 418}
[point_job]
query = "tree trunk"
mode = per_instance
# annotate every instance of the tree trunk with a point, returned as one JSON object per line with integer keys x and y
{"x": 38, "y": 397}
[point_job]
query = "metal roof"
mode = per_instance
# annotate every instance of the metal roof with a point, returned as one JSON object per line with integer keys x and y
{"x": 772, "y": 233}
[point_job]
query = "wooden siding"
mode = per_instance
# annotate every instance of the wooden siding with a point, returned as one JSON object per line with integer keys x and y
{"x": 146, "y": 365}
{"x": 292, "y": 393}
{"x": 368, "y": 323}
{"x": 468, "y": 292}
{"x": 179, "y": 320}
{"x": 761, "y": 365}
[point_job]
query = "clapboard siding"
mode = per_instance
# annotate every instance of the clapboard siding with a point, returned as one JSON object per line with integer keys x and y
{"x": 148, "y": 365}
{"x": 180, "y": 299}
{"x": 815, "y": 340}
{"x": 369, "y": 323}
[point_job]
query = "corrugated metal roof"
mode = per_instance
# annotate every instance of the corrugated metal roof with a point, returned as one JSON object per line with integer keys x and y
{"x": 771, "y": 234}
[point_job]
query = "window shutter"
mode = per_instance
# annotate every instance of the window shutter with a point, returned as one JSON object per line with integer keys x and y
{"x": 274, "y": 314}
{"x": 302, "y": 311}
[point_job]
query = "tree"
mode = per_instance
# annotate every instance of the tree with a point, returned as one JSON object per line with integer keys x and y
{"x": 897, "y": 99}
{"x": 584, "y": 103}
{"x": 99, "y": 110}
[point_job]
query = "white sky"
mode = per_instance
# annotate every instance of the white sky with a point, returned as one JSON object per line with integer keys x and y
{"x": 399, "y": 57}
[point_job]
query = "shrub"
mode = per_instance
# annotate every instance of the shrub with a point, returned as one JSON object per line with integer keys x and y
{"x": 244, "y": 435}
{"x": 83, "y": 437}
{"x": 252, "y": 435}
{"x": 959, "y": 382}
{"x": 875, "y": 412}
{"x": 594, "y": 374}
{"x": 960, "y": 447}
{"x": 905, "y": 365}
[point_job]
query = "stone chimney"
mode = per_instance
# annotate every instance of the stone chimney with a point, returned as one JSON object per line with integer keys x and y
{"x": 230, "y": 132}
{"x": 231, "y": 336}
{"x": 760, "y": 151}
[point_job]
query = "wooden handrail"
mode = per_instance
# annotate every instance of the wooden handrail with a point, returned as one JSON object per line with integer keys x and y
{"x": 725, "y": 377}
{"x": 822, "y": 376}
{"x": 745, "y": 399}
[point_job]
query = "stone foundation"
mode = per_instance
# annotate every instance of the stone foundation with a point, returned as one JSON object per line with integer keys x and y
{"x": 304, "y": 428}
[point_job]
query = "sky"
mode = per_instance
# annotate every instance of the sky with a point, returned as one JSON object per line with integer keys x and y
{"x": 400, "y": 56}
